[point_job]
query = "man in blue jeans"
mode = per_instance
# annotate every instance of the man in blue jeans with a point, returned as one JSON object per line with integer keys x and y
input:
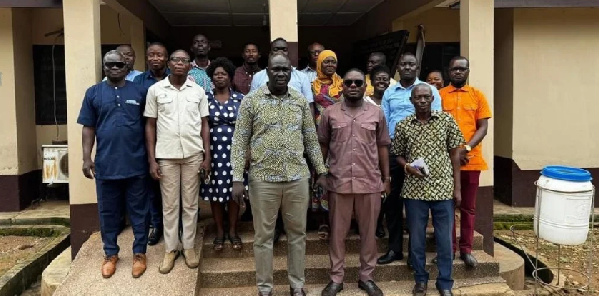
{"x": 434, "y": 137}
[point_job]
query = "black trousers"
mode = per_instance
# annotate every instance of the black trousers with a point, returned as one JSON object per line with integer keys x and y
{"x": 393, "y": 207}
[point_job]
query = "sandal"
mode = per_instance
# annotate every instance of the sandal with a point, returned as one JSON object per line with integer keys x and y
{"x": 323, "y": 232}
{"x": 218, "y": 243}
{"x": 236, "y": 242}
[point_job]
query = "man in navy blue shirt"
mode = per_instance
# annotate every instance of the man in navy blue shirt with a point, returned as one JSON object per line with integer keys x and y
{"x": 111, "y": 115}
{"x": 156, "y": 58}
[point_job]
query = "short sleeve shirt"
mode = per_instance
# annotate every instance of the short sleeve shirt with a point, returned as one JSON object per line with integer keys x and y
{"x": 431, "y": 141}
{"x": 178, "y": 114}
{"x": 467, "y": 105}
{"x": 116, "y": 115}
{"x": 353, "y": 142}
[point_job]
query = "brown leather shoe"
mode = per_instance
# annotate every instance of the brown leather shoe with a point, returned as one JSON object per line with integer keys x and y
{"x": 139, "y": 265}
{"x": 109, "y": 266}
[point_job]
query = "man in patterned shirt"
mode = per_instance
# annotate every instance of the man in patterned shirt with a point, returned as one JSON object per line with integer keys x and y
{"x": 435, "y": 137}
{"x": 276, "y": 127}
{"x": 200, "y": 48}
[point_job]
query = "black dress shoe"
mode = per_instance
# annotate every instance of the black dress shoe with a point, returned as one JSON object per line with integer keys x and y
{"x": 389, "y": 257}
{"x": 297, "y": 292}
{"x": 420, "y": 289}
{"x": 332, "y": 289}
{"x": 155, "y": 235}
{"x": 446, "y": 293}
{"x": 380, "y": 232}
{"x": 370, "y": 288}
{"x": 469, "y": 259}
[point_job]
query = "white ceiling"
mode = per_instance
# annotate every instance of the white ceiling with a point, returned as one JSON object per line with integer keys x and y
{"x": 255, "y": 12}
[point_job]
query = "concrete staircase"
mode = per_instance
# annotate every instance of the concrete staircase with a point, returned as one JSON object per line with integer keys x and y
{"x": 231, "y": 272}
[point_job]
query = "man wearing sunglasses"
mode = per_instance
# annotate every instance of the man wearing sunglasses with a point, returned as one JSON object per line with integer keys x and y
{"x": 275, "y": 127}
{"x": 129, "y": 55}
{"x": 396, "y": 106}
{"x": 177, "y": 139}
{"x": 111, "y": 115}
{"x": 354, "y": 137}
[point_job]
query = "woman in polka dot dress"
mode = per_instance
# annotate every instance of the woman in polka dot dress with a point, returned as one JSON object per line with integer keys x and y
{"x": 223, "y": 105}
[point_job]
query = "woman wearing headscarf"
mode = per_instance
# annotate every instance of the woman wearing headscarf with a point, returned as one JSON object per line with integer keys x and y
{"x": 327, "y": 88}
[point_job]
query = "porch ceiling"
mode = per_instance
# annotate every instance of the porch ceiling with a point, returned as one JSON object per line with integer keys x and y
{"x": 256, "y": 12}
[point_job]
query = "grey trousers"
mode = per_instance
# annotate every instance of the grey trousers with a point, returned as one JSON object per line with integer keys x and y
{"x": 266, "y": 199}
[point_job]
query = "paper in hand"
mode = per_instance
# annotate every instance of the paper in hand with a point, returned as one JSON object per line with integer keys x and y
{"x": 420, "y": 164}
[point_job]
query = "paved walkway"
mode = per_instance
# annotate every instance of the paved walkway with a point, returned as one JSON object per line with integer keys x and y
{"x": 41, "y": 213}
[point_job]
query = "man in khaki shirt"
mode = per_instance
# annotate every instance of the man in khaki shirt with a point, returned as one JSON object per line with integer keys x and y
{"x": 177, "y": 139}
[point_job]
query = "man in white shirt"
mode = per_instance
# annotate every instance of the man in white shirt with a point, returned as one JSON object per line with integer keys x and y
{"x": 177, "y": 140}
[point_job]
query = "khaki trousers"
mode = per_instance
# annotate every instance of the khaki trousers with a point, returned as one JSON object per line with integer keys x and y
{"x": 366, "y": 208}
{"x": 179, "y": 186}
{"x": 266, "y": 199}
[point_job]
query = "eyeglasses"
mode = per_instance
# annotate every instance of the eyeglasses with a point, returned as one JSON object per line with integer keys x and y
{"x": 349, "y": 82}
{"x": 460, "y": 69}
{"x": 119, "y": 65}
{"x": 179, "y": 59}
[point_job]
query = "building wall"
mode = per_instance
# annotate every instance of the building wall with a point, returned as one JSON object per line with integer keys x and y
{"x": 24, "y": 93}
{"x": 503, "y": 81}
{"x": 441, "y": 25}
{"x": 546, "y": 109}
{"x": 555, "y": 78}
{"x": 8, "y": 137}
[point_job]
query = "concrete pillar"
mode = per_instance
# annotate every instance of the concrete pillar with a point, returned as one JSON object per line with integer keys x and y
{"x": 477, "y": 44}
{"x": 19, "y": 174}
{"x": 138, "y": 43}
{"x": 82, "y": 69}
{"x": 283, "y": 20}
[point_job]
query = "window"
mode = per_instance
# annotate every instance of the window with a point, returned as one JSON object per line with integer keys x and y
{"x": 49, "y": 104}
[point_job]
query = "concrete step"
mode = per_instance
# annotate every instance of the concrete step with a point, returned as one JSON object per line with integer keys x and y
{"x": 314, "y": 245}
{"x": 489, "y": 286}
{"x": 240, "y": 272}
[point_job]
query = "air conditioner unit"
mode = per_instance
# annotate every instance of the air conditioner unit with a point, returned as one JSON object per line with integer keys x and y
{"x": 56, "y": 164}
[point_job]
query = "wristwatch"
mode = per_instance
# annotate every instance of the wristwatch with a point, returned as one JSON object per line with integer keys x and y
{"x": 468, "y": 148}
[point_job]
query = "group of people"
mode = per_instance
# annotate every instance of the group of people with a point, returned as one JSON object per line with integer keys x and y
{"x": 358, "y": 146}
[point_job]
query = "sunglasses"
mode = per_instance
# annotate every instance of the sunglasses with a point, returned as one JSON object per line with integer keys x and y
{"x": 119, "y": 65}
{"x": 349, "y": 82}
